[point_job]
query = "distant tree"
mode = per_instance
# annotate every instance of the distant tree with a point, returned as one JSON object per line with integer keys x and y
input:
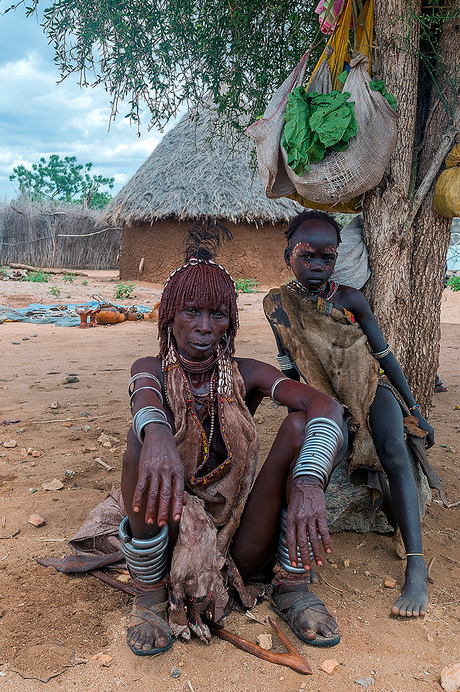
{"x": 64, "y": 180}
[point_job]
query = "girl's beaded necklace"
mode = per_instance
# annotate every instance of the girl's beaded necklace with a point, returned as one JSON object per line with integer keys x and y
{"x": 332, "y": 287}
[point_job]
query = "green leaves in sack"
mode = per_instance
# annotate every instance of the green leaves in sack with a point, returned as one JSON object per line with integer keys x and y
{"x": 297, "y": 133}
{"x": 379, "y": 85}
{"x": 332, "y": 117}
{"x": 315, "y": 125}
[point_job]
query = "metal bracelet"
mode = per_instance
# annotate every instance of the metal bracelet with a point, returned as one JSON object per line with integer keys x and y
{"x": 381, "y": 354}
{"x": 285, "y": 362}
{"x": 138, "y": 376}
{"x": 274, "y": 386}
{"x": 134, "y": 392}
{"x": 323, "y": 439}
{"x": 283, "y": 554}
{"x": 146, "y": 558}
{"x": 146, "y": 415}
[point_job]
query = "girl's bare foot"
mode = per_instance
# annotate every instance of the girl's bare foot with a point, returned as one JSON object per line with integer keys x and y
{"x": 413, "y": 601}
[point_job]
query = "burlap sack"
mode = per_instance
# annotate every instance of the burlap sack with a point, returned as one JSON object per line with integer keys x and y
{"x": 342, "y": 175}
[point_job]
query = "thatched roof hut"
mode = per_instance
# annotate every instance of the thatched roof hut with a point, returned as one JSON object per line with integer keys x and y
{"x": 189, "y": 177}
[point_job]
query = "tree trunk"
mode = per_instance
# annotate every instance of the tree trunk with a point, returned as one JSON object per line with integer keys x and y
{"x": 407, "y": 257}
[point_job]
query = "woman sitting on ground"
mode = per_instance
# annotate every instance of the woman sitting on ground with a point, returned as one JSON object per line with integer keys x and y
{"x": 197, "y": 521}
{"x": 327, "y": 334}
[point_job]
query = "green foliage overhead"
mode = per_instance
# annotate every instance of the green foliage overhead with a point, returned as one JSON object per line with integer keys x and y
{"x": 167, "y": 54}
{"x": 64, "y": 180}
{"x": 164, "y": 55}
{"x": 315, "y": 125}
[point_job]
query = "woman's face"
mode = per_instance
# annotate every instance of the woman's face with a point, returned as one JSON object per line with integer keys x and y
{"x": 198, "y": 330}
{"x": 312, "y": 253}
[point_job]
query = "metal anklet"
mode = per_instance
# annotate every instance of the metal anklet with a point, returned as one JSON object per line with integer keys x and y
{"x": 146, "y": 415}
{"x": 323, "y": 439}
{"x": 285, "y": 362}
{"x": 146, "y": 558}
{"x": 283, "y": 554}
{"x": 381, "y": 354}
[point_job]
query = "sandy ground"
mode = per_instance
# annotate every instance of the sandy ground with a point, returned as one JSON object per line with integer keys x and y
{"x": 53, "y": 624}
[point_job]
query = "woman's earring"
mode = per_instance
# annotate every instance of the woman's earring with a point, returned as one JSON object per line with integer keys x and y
{"x": 169, "y": 337}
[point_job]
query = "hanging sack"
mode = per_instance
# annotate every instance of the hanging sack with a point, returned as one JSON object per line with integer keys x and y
{"x": 446, "y": 200}
{"x": 341, "y": 175}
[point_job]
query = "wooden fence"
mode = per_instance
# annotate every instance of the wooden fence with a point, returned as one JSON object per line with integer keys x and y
{"x": 56, "y": 235}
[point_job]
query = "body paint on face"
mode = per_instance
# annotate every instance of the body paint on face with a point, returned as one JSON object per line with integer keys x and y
{"x": 301, "y": 246}
{"x": 331, "y": 250}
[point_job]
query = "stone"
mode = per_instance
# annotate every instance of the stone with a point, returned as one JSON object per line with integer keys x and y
{"x": 265, "y": 641}
{"x": 9, "y": 444}
{"x": 329, "y": 666}
{"x": 55, "y": 484}
{"x": 37, "y": 520}
{"x": 365, "y": 682}
{"x": 104, "y": 659}
{"x": 346, "y": 563}
{"x": 450, "y": 677}
{"x": 55, "y": 405}
{"x": 72, "y": 378}
{"x": 389, "y": 582}
{"x": 175, "y": 672}
{"x": 104, "y": 439}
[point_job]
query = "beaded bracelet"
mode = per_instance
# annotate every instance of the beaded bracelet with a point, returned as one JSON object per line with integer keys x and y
{"x": 415, "y": 406}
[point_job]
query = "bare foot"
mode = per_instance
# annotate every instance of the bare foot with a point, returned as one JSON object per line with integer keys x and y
{"x": 413, "y": 601}
{"x": 148, "y": 631}
{"x": 306, "y": 614}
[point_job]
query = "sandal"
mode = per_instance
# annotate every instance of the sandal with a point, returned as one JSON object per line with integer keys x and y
{"x": 290, "y": 604}
{"x": 141, "y": 614}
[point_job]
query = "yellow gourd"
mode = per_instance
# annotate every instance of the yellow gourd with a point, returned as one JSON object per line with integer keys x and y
{"x": 446, "y": 200}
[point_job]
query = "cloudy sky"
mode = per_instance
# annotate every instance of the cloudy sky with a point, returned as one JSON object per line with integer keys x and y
{"x": 38, "y": 117}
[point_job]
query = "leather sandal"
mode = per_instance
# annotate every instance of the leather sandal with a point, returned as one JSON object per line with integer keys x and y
{"x": 290, "y": 604}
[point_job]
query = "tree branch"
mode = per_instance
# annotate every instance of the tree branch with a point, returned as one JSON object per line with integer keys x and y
{"x": 438, "y": 158}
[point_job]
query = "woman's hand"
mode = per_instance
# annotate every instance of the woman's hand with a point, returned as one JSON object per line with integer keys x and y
{"x": 161, "y": 477}
{"x": 424, "y": 425}
{"x": 305, "y": 519}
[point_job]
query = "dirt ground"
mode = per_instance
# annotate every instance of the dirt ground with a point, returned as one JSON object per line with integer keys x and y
{"x": 52, "y": 625}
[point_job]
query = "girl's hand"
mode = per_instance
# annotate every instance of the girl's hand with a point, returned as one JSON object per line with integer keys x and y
{"x": 424, "y": 425}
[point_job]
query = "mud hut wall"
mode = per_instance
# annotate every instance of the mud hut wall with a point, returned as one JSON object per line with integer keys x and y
{"x": 256, "y": 252}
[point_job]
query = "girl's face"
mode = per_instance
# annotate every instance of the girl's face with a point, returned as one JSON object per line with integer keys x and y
{"x": 312, "y": 253}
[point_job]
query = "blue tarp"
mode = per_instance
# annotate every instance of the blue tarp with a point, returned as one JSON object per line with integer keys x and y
{"x": 61, "y": 314}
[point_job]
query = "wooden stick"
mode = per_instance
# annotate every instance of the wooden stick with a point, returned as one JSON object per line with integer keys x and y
{"x": 113, "y": 582}
{"x": 292, "y": 659}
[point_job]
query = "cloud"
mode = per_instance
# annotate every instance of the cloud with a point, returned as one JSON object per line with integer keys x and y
{"x": 39, "y": 117}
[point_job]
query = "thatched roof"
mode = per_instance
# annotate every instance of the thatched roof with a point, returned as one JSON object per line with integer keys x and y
{"x": 189, "y": 177}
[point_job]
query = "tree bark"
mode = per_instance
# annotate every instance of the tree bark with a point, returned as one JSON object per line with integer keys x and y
{"x": 407, "y": 256}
